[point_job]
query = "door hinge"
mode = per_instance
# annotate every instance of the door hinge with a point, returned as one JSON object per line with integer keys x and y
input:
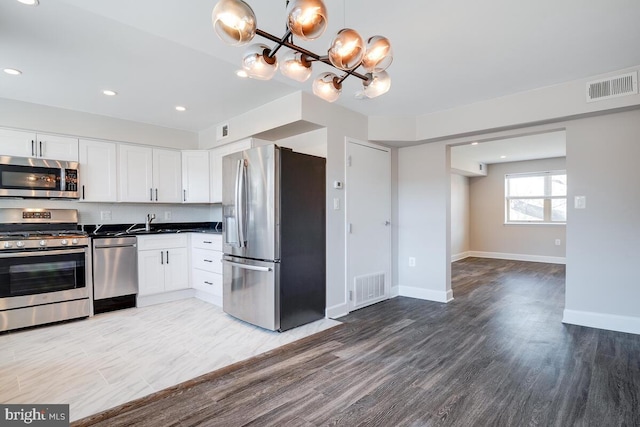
{"x": 350, "y": 295}
{"x": 350, "y": 228}
{"x": 349, "y": 161}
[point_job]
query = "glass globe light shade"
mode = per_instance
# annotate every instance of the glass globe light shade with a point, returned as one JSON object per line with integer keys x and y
{"x": 256, "y": 63}
{"x": 378, "y": 55}
{"x": 326, "y": 87}
{"x": 378, "y": 84}
{"x": 294, "y": 66}
{"x": 347, "y": 49}
{"x": 234, "y": 22}
{"x": 307, "y": 19}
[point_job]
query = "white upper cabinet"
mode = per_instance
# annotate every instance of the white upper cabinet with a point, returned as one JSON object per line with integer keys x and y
{"x": 98, "y": 169}
{"x": 149, "y": 175}
{"x": 195, "y": 176}
{"x": 31, "y": 144}
{"x": 135, "y": 173}
{"x": 167, "y": 176}
{"x": 216, "y": 163}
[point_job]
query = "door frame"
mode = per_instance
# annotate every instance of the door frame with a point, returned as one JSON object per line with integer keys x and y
{"x": 348, "y": 286}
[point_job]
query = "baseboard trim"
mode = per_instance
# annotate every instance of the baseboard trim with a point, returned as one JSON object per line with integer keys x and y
{"x": 147, "y": 300}
{"x": 395, "y": 291}
{"x": 610, "y": 322}
{"x": 425, "y": 294}
{"x": 460, "y": 256}
{"x": 518, "y": 257}
{"x": 337, "y": 311}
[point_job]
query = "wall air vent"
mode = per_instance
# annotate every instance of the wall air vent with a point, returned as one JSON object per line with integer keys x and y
{"x": 613, "y": 87}
{"x": 369, "y": 288}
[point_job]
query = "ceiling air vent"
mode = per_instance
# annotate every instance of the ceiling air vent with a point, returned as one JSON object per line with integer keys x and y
{"x": 613, "y": 87}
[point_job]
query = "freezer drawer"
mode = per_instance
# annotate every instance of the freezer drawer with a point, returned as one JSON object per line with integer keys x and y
{"x": 250, "y": 291}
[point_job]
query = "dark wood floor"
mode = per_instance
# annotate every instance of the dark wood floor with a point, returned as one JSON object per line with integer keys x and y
{"x": 498, "y": 355}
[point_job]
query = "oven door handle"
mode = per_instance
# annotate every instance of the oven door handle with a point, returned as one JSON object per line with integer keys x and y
{"x": 39, "y": 252}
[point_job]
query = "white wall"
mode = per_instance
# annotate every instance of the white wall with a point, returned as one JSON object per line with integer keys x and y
{"x": 424, "y": 200}
{"x": 491, "y": 237}
{"x": 313, "y": 143}
{"x": 459, "y": 216}
{"x": 23, "y": 115}
{"x": 603, "y": 240}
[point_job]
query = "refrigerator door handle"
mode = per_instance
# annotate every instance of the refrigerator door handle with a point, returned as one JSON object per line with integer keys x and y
{"x": 247, "y": 267}
{"x": 240, "y": 202}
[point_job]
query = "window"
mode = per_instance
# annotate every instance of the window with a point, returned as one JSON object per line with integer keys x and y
{"x": 539, "y": 197}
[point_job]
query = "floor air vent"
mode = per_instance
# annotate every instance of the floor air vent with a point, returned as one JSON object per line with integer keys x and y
{"x": 369, "y": 288}
{"x": 613, "y": 87}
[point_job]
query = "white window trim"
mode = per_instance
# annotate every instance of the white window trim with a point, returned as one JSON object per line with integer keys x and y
{"x": 547, "y": 198}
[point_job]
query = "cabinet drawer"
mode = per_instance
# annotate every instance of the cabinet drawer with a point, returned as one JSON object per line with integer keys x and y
{"x": 162, "y": 241}
{"x": 206, "y": 260}
{"x": 207, "y": 281}
{"x": 206, "y": 241}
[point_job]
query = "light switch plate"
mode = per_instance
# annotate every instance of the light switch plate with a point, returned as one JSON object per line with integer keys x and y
{"x": 105, "y": 215}
{"x": 580, "y": 202}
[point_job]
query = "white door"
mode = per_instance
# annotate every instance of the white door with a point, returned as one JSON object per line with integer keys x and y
{"x": 167, "y": 176}
{"x": 98, "y": 168}
{"x": 135, "y": 173}
{"x": 368, "y": 213}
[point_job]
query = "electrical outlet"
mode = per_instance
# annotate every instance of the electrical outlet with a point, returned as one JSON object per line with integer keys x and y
{"x": 558, "y": 242}
{"x": 412, "y": 261}
{"x": 105, "y": 215}
{"x": 167, "y": 216}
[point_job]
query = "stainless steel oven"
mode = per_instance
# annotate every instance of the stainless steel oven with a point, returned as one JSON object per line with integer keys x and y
{"x": 38, "y": 178}
{"x": 45, "y": 274}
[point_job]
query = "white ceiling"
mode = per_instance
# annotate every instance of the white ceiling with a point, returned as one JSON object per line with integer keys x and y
{"x": 159, "y": 54}
{"x": 526, "y": 147}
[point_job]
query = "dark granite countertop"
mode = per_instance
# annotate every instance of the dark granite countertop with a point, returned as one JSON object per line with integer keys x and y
{"x": 137, "y": 229}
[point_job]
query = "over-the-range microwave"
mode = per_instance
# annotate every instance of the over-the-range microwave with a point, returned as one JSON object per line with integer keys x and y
{"x": 38, "y": 178}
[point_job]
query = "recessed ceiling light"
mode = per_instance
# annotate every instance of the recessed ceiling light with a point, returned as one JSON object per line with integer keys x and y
{"x": 30, "y": 2}
{"x": 474, "y": 143}
{"x": 503, "y": 157}
{"x": 109, "y": 92}
{"x": 12, "y": 71}
{"x": 181, "y": 108}
{"x": 242, "y": 73}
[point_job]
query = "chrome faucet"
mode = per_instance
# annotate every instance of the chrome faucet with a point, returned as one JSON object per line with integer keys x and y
{"x": 147, "y": 225}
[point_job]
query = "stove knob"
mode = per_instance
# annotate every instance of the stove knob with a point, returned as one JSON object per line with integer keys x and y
{"x": 74, "y": 241}
{"x": 7, "y": 245}
{"x": 43, "y": 243}
{"x": 20, "y": 244}
{"x": 64, "y": 242}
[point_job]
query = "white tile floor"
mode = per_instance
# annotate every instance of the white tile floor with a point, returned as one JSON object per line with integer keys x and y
{"x": 112, "y": 358}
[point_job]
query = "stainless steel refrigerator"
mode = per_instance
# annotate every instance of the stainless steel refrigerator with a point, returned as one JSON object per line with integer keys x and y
{"x": 274, "y": 264}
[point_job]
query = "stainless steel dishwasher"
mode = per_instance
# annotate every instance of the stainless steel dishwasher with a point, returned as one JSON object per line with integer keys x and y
{"x": 115, "y": 273}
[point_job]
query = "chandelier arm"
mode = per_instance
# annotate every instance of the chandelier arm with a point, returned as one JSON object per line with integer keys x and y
{"x": 279, "y": 44}
{"x": 311, "y": 56}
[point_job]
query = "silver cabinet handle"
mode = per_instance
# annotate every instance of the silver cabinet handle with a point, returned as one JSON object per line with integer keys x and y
{"x": 156, "y": 194}
{"x": 40, "y": 148}
{"x": 247, "y": 267}
{"x": 207, "y": 260}
{"x": 208, "y": 283}
{"x": 207, "y": 242}
{"x": 162, "y": 257}
{"x": 167, "y": 257}
{"x": 33, "y": 148}
{"x": 184, "y": 195}
{"x": 151, "y": 194}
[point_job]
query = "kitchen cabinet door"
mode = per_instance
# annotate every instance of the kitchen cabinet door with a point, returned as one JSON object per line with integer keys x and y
{"x": 98, "y": 168}
{"x": 57, "y": 147}
{"x": 135, "y": 173}
{"x": 176, "y": 269}
{"x": 151, "y": 272}
{"x": 167, "y": 176}
{"x": 195, "y": 176}
{"x": 17, "y": 143}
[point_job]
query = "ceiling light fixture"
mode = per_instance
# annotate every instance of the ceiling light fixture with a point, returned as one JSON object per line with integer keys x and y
{"x": 503, "y": 157}
{"x": 181, "y": 108}
{"x": 109, "y": 92}
{"x": 474, "y": 143}
{"x": 30, "y": 2}
{"x": 12, "y": 71}
{"x": 235, "y": 23}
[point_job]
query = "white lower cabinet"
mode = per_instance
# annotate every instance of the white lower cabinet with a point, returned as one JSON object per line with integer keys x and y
{"x": 206, "y": 267}
{"x": 163, "y": 263}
